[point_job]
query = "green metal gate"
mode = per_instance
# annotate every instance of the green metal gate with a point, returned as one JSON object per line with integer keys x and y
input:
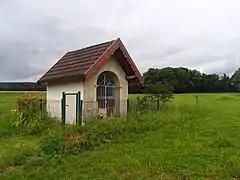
{"x": 78, "y": 107}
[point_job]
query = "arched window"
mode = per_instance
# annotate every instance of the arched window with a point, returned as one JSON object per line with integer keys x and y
{"x": 105, "y": 80}
{"x": 105, "y": 90}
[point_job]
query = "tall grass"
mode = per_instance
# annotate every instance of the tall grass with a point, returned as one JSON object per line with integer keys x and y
{"x": 184, "y": 141}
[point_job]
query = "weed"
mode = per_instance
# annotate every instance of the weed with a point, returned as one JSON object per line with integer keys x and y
{"x": 30, "y": 116}
{"x": 184, "y": 141}
{"x": 222, "y": 143}
{"x": 52, "y": 143}
{"x": 18, "y": 158}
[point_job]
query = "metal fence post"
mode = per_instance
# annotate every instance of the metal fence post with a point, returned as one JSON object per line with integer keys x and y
{"x": 81, "y": 111}
{"x": 41, "y": 105}
{"x": 128, "y": 105}
{"x": 63, "y": 107}
{"x": 77, "y": 108}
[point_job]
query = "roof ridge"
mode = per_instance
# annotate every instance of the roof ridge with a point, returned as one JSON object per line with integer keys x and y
{"x": 91, "y": 46}
{"x": 86, "y": 61}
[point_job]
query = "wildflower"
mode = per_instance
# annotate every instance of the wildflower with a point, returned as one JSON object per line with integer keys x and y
{"x": 44, "y": 102}
{"x": 29, "y": 97}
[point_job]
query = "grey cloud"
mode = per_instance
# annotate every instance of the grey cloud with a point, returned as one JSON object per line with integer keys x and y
{"x": 202, "y": 35}
{"x": 43, "y": 43}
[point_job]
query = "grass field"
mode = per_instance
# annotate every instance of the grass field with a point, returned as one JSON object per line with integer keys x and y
{"x": 186, "y": 141}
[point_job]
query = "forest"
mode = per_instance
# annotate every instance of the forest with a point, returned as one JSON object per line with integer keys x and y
{"x": 21, "y": 86}
{"x": 185, "y": 80}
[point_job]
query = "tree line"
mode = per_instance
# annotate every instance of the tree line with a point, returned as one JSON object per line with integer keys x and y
{"x": 21, "y": 86}
{"x": 185, "y": 80}
{"x": 182, "y": 79}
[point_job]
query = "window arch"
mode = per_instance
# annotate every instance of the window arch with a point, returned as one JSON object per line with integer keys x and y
{"x": 106, "y": 90}
{"x": 105, "y": 79}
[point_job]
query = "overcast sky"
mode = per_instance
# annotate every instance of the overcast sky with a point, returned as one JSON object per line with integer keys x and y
{"x": 199, "y": 34}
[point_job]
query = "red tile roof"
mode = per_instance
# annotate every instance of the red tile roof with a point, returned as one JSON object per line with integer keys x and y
{"x": 88, "y": 61}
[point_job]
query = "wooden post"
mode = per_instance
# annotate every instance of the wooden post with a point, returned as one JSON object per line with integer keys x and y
{"x": 197, "y": 99}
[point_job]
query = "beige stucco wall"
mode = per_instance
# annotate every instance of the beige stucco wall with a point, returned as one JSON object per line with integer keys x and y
{"x": 54, "y": 95}
{"x": 90, "y": 85}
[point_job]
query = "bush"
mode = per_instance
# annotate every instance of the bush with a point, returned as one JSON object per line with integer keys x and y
{"x": 76, "y": 141}
{"x": 156, "y": 99}
{"x": 96, "y": 133}
{"x": 52, "y": 143}
{"x": 30, "y": 115}
{"x": 69, "y": 140}
{"x": 142, "y": 105}
{"x": 160, "y": 93}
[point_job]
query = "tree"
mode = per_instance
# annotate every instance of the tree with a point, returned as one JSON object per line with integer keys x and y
{"x": 236, "y": 79}
{"x": 160, "y": 93}
{"x": 189, "y": 81}
{"x": 22, "y": 86}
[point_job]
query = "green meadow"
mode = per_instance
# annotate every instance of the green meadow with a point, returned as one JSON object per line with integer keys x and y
{"x": 186, "y": 140}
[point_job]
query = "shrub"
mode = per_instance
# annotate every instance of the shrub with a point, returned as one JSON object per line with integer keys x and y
{"x": 158, "y": 95}
{"x": 142, "y": 104}
{"x": 30, "y": 115}
{"x": 95, "y": 133}
{"x": 75, "y": 142}
{"x": 69, "y": 142}
{"x": 52, "y": 143}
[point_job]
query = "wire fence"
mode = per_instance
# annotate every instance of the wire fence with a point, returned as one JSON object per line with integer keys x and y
{"x": 109, "y": 109}
{"x": 138, "y": 104}
{"x": 54, "y": 108}
{"x": 89, "y": 110}
{"x": 94, "y": 108}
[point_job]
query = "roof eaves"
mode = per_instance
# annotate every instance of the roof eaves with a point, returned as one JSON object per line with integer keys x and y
{"x": 109, "y": 51}
{"x": 99, "y": 61}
